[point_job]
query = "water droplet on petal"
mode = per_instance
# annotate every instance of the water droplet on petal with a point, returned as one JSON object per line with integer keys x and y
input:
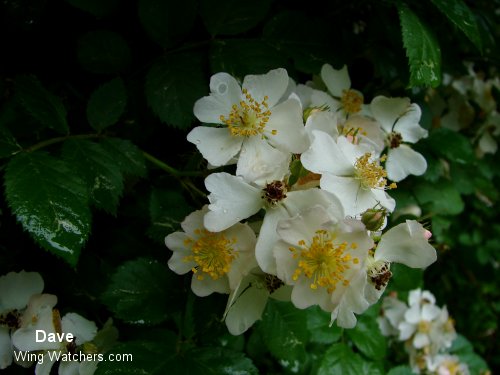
{"x": 224, "y": 210}
{"x": 197, "y": 141}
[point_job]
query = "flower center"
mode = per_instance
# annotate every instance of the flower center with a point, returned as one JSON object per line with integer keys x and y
{"x": 395, "y": 139}
{"x": 371, "y": 174}
{"x": 352, "y": 134}
{"x": 274, "y": 192}
{"x": 379, "y": 273}
{"x": 424, "y": 326}
{"x": 273, "y": 283}
{"x": 351, "y": 101}
{"x": 323, "y": 262}
{"x": 249, "y": 118}
{"x": 212, "y": 252}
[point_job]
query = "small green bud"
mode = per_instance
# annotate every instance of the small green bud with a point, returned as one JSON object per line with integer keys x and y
{"x": 374, "y": 218}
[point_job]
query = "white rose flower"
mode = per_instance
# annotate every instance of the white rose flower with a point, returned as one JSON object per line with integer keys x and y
{"x": 218, "y": 260}
{"x": 399, "y": 120}
{"x": 257, "y": 126}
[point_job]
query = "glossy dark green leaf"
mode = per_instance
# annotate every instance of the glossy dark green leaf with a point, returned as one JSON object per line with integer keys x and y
{"x": 104, "y": 52}
{"x": 318, "y": 325}
{"x": 230, "y": 17}
{"x": 400, "y": 370}
{"x": 451, "y": 145}
{"x": 284, "y": 331}
{"x": 107, "y": 104}
{"x": 45, "y": 107}
{"x": 141, "y": 292}
{"x": 127, "y": 157}
{"x": 462, "y": 348}
{"x": 441, "y": 197}
{"x": 166, "y": 21}
{"x": 50, "y": 201}
{"x": 244, "y": 56}
{"x": 98, "y": 8}
{"x": 422, "y": 50}
{"x": 367, "y": 337}
{"x": 461, "y": 16}
{"x": 8, "y": 143}
{"x": 173, "y": 85}
{"x": 340, "y": 359}
{"x": 99, "y": 170}
{"x": 405, "y": 278}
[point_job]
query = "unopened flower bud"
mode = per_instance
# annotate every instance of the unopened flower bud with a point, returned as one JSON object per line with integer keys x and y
{"x": 374, "y": 218}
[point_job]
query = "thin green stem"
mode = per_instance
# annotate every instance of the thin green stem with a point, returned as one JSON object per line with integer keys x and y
{"x": 51, "y": 141}
{"x": 167, "y": 168}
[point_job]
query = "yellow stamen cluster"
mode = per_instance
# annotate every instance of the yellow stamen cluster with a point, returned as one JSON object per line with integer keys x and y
{"x": 352, "y": 134}
{"x": 249, "y": 118}
{"x": 212, "y": 252}
{"x": 351, "y": 101}
{"x": 324, "y": 262}
{"x": 424, "y": 326}
{"x": 371, "y": 174}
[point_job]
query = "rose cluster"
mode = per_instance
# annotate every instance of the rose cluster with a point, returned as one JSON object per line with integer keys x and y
{"x": 33, "y": 331}
{"x": 300, "y": 210}
{"x": 426, "y": 330}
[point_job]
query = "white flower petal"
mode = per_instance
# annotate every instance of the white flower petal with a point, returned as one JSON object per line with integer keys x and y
{"x": 69, "y": 368}
{"x": 17, "y": 288}
{"x": 83, "y": 330}
{"x": 5, "y": 348}
{"x": 413, "y": 314}
{"x": 322, "y": 99}
{"x": 322, "y": 120}
{"x": 387, "y": 110}
{"x": 408, "y": 126}
{"x": 272, "y": 84}
{"x": 225, "y": 91}
{"x": 326, "y": 156}
{"x": 285, "y": 263}
{"x": 261, "y": 163}
{"x": 430, "y": 312}
{"x": 335, "y": 80}
{"x": 287, "y": 124}
{"x": 246, "y": 310}
{"x": 420, "y": 340}
{"x": 403, "y": 161}
{"x": 177, "y": 262}
{"x": 231, "y": 200}
{"x": 267, "y": 239}
{"x": 303, "y": 296}
{"x": 207, "y": 286}
{"x": 487, "y": 143}
{"x": 406, "y": 330}
{"x": 43, "y": 368}
{"x": 217, "y": 145}
{"x": 406, "y": 243}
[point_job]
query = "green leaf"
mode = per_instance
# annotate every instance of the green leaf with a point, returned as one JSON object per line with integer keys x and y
{"x": 98, "y": 8}
{"x": 173, "y": 85}
{"x": 340, "y": 359}
{"x": 107, "y": 104}
{"x": 50, "y": 201}
{"x": 167, "y": 209}
{"x": 8, "y": 143}
{"x": 104, "y": 52}
{"x": 284, "y": 331}
{"x": 141, "y": 292}
{"x": 318, "y": 325}
{"x": 230, "y": 17}
{"x": 422, "y": 50}
{"x": 441, "y": 197}
{"x": 244, "y": 56}
{"x": 368, "y": 338}
{"x": 45, "y": 107}
{"x": 451, "y": 145}
{"x": 167, "y": 21}
{"x": 162, "y": 356}
{"x": 461, "y": 16}
{"x": 465, "y": 351}
{"x": 98, "y": 168}
{"x": 400, "y": 370}
{"x": 127, "y": 157}
{"x": 405, "y": 278}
